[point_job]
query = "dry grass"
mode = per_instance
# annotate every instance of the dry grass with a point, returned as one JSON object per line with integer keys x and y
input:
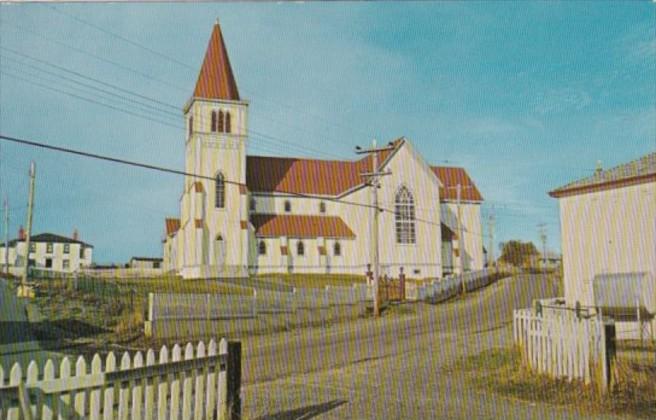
{"x": 317, "y": 280}
{"x": 501, "y": 371}
{"x": 130, "y": 322}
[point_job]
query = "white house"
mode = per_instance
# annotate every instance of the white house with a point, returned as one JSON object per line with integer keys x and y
{"x": 145, "y": 262}
{"x": 48, "y": 251}
{"x": 608, "y": 227}
{"x": 259, "y": 214}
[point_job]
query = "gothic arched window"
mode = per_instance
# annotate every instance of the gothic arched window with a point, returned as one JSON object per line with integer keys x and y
{"x": 261, "y": 249}
{"x": 253, "y": 204}
{"x": 213, "y": 127}
{"x": 227, "y": 122}
{"x": 322, "y": 207}
{"x": 191, "y": 125}
{"x": 337, "y": 249}
{"x": 288, "y": 206}
{"x": 220, "y": 129}
{"x": 404, "y": 214}
{"x": 300, "y": 248}
{"x": 220, "y": 191}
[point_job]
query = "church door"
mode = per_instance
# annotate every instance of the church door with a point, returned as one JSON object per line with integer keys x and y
{"x": 219, "y": 251}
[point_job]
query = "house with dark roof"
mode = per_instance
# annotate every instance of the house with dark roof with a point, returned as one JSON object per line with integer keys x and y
{"x": 608, "y": 226}
{"x": 48, "y": 251}
{"x": 263, "y": 214}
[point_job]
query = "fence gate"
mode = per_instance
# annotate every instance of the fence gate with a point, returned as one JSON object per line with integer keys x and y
{"x": 185, "y": 383}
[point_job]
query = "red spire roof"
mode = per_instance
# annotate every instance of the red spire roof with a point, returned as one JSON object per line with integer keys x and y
{"x": 216, "y": 80}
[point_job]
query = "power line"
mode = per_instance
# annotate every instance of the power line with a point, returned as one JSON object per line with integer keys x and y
{"x": 184, "y": 173}
{"x": 146, "y": 76}
{"x": 89, "y": 100}
{"x": 90, "y": 86}
{"x": 122, "y": 38}
{"x": 330, "y": 123}
{"x": 256, "y": 135}
{"x": 78, "y": 74}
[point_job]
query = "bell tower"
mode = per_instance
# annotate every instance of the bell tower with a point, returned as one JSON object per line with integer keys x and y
{"x": 214, "y": 207}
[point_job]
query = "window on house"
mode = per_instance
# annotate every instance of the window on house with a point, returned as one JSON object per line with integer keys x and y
{"x": 49, "y": 248}
{"x": 220, "y": 191}
{"x": 227, "y": 122}
{"x": 322, "y": 207}
{"x": 81, "y": 251}
{"x": 32, "y": 247}
{"x": 404, "y": 214}
{"x": 262, "y": 248}
{"x": 253, "y": 204}
{"x": 300, "y": 248}
{"x": 213, "y": 127}
{"x": 288, "y": 206}
{"x": 221, "y": 126}
{"x": 337, "y": 249}
{"x": 66, "y": 264}
{"x": 67, "y": 248}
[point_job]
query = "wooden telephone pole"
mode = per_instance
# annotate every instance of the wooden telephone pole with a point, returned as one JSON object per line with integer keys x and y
{"x": 543, "y": 237}
{"x": 24, "y": 290}
{"x": 461, "y": 241}
{"x": 373, "y": 179}
{"x": 6, "y": 236}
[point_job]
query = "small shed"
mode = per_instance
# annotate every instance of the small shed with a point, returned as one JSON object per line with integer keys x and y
{"x": 625, "y": 296}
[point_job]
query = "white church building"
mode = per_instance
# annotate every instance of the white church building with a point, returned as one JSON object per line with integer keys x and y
{"x": 245, "y": 215}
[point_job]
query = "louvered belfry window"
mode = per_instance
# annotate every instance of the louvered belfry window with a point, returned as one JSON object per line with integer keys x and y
{"x": 220, "y": 191}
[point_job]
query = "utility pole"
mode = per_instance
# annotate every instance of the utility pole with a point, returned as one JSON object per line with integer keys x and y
{"x": 373, "y": 179}
{"x": 461, "y": 242}
{"x": 6, "y": 236}
{"x": 30, "y": 208}
{"x": 543, "y": 238}
{"x": 490, "y": 228}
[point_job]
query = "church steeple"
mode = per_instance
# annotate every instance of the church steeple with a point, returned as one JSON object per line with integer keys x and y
{"x": 216, "y": 80}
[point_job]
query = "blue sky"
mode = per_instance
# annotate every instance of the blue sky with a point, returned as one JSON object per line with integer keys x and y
{"x": 525, "y": 96}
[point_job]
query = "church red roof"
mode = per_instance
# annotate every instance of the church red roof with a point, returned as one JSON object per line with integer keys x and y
{"x": 450, "y": 178}
{"x": 172, "y": 225}
{"x": 216, "y": 80}
{"x": 335, "y": 177}
{"x": 300, "y": 226}
{"x": 308, "y": 176}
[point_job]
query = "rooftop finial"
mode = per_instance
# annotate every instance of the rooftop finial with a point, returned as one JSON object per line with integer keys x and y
{"x": 217, "y": 21}
{"x": 599, "y": 169}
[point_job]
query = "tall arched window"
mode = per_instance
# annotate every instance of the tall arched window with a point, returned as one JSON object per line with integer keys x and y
{"x": 213, "y": 126}
{"x": 191, "y": 125}
{"x": 262, "y": 248}
{"x": 220, "y": 191}
{"x": 220, "y": 122}
{"x": 337, "y": 249}
{"x": 322, "y": 207}
{"x": 227, "y": 122}
{"x": 253, "y": 204}
{"x": 288, "y": 206}
{"x": 404, "y": 213}
{"x": 300, "y": 248}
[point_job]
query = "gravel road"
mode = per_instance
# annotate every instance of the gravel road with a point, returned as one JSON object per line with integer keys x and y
{"x": 392, "y": 367}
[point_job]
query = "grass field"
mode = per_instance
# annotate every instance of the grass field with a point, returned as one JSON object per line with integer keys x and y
{"x": 113, "y": 310}
{"x": 633, "y": 392}
{"x": 317, "y": 280}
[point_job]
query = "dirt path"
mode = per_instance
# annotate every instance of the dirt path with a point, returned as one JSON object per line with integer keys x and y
{"x": 393, "y": 367}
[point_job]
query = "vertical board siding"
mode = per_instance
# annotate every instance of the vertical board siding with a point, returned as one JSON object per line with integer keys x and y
{"x": 186, "y": 392}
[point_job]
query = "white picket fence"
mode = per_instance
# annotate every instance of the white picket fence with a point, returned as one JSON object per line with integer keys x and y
{"x": 562, "y": 344}
{"x": 189, "y": 383}
{"x": 450, "y": 286}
